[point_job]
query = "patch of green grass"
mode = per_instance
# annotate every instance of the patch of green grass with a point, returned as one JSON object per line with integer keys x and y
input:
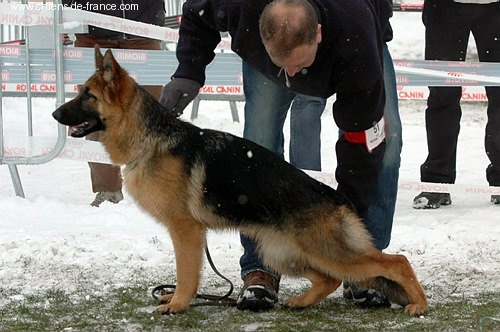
{"x": 131, "y": 308}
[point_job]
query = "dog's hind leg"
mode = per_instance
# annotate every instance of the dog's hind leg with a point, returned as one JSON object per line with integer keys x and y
{"x": 322, "y": 286}
{"x": 393, "y": 267}
{"x": 398, "y": 269}
{"x": 188, "y": 238}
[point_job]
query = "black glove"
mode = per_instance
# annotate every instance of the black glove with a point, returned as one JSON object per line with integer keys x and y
{"x": 178, "y": 93}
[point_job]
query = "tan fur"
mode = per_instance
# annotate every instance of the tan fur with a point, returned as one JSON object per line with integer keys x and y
{"x": 334, "y": 246}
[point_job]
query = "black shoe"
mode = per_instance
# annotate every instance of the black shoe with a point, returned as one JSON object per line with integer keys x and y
{"x": 428, "y": 200}
{"x": 495, "y": 199}
{"x": 259, "y": 292}
{"x": 365, "y": 298}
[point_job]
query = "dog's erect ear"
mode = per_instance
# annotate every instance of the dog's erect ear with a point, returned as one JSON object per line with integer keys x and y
{"x": 98, "y": 58}
{"x": 111, "y": 67}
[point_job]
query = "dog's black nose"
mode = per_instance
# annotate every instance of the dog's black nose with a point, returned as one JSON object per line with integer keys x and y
{"x": 56, "y": 114}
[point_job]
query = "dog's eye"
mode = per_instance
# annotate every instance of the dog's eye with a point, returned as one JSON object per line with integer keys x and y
{"x": 88, "y": 94}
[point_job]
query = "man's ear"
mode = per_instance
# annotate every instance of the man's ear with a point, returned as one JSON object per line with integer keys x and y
{"x": 318, "y": 34}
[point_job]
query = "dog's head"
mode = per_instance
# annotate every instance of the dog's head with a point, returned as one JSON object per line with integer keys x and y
{"x": 98, "y": 99}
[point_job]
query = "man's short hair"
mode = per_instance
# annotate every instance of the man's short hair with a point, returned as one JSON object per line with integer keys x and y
{"x": 287, "y": 24}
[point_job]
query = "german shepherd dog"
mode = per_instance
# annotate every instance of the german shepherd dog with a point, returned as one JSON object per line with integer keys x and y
{"x": 191, "y": 180}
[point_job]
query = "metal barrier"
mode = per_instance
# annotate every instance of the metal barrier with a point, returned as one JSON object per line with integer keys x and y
{"x": 13, "y": 33}
{"x": 77, "y": 64}
{"x": 12, "y": 162}
{"x": 41, "y": 66}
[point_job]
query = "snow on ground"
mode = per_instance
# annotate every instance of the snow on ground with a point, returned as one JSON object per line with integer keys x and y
{"x": 54, "y": 238}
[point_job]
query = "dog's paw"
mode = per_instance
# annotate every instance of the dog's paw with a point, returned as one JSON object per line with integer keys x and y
{"x": 295, "y": 302}
{"x": 416, "y": 309}
{"x": 166, "y": 298}
{"x": 171, "y": 308}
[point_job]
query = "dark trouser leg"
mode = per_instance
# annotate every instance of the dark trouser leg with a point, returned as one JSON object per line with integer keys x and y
{"x": 446, "y": 38}
{"x": 492, "y": 137}
{"x": 442, "y": 122}
{"x": 486, "y": 31}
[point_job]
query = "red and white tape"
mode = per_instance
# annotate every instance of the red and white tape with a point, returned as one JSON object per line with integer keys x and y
{"x": 329, "y": 179}
{"x": 74, "y": 149}
{"x": 91, "y": 151}
{"x": 43, "y": 14}
{"x": 481, "y": 79}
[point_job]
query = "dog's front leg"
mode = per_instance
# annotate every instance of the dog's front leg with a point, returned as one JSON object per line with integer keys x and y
{"x": 188, "y": 237}
{"x": 322, "y": 286}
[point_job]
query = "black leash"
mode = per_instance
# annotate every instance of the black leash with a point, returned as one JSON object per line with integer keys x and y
{"x": 222, "y": 300}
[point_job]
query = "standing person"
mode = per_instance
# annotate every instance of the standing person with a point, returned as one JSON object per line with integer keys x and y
{"x": 448, "y": 24}
{"x": 106, "y": 179}
{"x": 311, "y": 47}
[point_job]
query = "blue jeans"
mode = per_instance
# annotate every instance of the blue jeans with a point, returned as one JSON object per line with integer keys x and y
{"x": 266, "y": 108}
{"x": 305, "y": 132}
{"x": 265, "y": 112}
{"x": 379, "y": 216}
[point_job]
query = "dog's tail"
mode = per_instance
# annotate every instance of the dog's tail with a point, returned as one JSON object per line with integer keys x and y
{"x": 394, "y": 292}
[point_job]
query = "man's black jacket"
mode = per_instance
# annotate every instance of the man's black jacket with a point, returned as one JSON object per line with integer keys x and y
{"x": 348, "y": 63}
